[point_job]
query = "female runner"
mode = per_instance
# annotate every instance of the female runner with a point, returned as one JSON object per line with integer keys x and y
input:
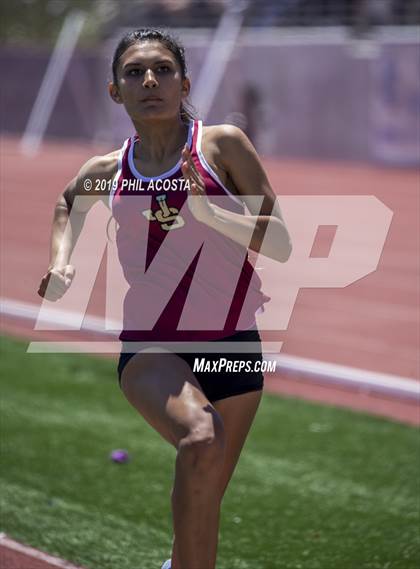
{"x": 206, "y": 416}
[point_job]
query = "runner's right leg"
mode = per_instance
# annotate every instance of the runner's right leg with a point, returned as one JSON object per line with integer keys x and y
{"x": 166, "y": 393}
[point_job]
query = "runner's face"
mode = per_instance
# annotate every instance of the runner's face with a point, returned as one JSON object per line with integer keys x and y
{"x": 150, "y": 83}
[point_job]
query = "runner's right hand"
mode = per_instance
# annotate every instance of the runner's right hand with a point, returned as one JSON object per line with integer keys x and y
{"x": 56, "y": 282}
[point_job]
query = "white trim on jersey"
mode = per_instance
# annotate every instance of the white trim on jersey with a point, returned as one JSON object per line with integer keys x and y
{"x": 116, "y": 179}
{"x": 170, "y": 172}
{"x": 207, "y": 166}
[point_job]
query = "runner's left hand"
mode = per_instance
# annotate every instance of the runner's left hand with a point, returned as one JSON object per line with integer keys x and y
{"x": 198, "y": 201}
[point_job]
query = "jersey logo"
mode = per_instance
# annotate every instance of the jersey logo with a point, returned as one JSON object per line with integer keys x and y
{"x": 167, "y": 216}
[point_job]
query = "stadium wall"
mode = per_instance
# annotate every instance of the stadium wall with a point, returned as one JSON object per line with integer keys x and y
{"x": 331, "y": 99}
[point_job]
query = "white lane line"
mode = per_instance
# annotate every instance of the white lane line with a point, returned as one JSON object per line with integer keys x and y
{"x": 57, "y": 319}
{"x": 321, "y": 372}
{"x": 7, "y": 543}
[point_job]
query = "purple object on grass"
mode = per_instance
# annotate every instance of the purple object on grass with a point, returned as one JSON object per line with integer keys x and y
{"x": 119, "y": 455}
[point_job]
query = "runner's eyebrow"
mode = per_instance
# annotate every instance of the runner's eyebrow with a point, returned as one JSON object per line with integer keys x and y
{"x": 140, "y": 63}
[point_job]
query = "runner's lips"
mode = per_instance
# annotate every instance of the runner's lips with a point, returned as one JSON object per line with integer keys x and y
{"x": 151, "y": 98}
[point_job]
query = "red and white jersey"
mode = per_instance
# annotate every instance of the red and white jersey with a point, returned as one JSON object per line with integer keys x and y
{"x": 186, "y": 280}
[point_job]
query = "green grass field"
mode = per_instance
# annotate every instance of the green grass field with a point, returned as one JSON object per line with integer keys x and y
{"x": 316, "y": 487}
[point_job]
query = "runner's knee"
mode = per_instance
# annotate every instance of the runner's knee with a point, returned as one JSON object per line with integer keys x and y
{"x": 204, "y": 447}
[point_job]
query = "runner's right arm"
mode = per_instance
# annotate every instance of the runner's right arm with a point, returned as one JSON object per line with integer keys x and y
{"x": 66, "y": 228}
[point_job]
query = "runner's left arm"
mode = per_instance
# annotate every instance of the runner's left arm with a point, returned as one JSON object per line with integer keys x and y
{"x": 241, "y": 162}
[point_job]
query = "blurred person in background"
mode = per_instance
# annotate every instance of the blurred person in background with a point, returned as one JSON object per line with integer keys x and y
{"x": 370, "y": 13}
